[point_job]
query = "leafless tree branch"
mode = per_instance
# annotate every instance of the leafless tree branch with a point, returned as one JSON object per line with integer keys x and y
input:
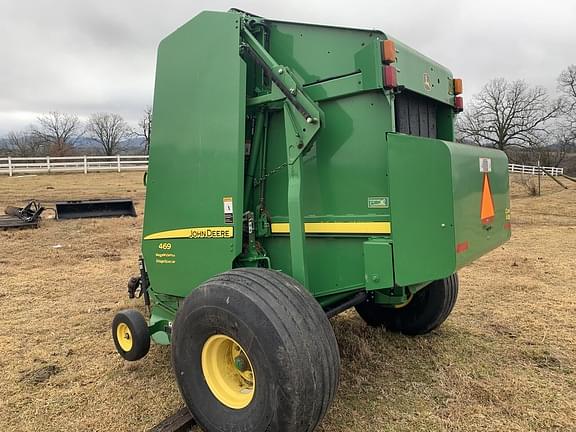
{"x": 567, "y": 88}
{"x": 108, "y": 130}
{"x": 145, "y": 128}
{"x": 24, "y": 144}
{"x": 58, "y": 132}
{"x": 508, "y": 114}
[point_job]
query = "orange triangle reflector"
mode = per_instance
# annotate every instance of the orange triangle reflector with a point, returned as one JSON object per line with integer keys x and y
{"x": 487, "y": 203}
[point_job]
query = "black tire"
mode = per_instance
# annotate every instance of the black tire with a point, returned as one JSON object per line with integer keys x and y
{"x": 426, "y": 311}
{"x": 288, "y": 341}
{"x": 138, "y": 334}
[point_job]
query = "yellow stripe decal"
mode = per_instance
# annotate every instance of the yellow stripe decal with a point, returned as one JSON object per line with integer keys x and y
{"x": 194, "y": 233}
{"x": 337, "y": 228}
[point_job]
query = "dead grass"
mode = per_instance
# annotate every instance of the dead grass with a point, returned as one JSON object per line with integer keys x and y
{"x": 504, "y": 361}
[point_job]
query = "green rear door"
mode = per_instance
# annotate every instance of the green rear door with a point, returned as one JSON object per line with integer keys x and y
{"x": 449, "y": 205}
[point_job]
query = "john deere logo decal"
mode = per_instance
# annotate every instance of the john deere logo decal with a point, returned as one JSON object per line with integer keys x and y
{"x": 427, "y": 82}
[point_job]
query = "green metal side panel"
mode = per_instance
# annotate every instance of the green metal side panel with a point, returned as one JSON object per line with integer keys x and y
{"x": 435, "y": 197}
{"x": 346, "y": 167}
{"x": 196, "y": 154}
{"x": 422, "y": 209}
{"x": 319, "y": 52}
{"x": 423, "y": 75}
{"x": 335, "y": 264}
{"x": 467, "y": 188}
{"x": 378, "y": 267}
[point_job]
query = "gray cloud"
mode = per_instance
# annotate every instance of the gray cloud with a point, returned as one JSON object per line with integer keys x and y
{"x": 87, "y": 56}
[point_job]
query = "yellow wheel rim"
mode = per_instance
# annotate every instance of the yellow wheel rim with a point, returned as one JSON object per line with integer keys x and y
{"x": 228, "y": 371}
{"x": 124, "y": 337}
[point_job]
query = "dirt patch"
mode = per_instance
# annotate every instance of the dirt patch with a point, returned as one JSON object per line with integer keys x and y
{"x": 504, "y": 360}
{"x": 38, "y": 376}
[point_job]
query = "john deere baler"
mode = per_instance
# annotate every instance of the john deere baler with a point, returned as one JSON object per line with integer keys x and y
{"x": 297, "y": 171}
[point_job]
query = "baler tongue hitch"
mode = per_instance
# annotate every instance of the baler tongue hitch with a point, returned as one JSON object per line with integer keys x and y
{"x": 180, "y": 421}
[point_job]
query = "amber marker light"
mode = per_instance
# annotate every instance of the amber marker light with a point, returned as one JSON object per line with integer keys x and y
{"x": 388, "y": 51}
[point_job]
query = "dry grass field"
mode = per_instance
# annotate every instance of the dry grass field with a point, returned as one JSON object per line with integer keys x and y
{"x": 504, "y": 361}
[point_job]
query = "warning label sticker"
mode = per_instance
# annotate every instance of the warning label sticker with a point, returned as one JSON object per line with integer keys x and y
{"x": 228, "y": 210}
{"x": 485, "y": 165}
{"x": 378, "y": 202}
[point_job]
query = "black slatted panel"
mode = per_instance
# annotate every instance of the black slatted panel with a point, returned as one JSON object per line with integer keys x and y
{"x": 432, "y": 120}
{"x": 415, "y": 115}
{"x": 423, "y": 119}
{"x": 413, "y": 119}
{"x": 402, "y": 115}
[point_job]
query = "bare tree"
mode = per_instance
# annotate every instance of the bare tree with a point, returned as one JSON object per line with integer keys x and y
{"x": 24, "y": 144}
{"x": 145, "y": 125}
{"x": 552, "y": 151}
{"x": 58, "y": 132}
{"x": 567, "y": 87}
{"x": 508, "y": 115}
{"x": 108, "y": 130}
{"x": 5, "y": 149}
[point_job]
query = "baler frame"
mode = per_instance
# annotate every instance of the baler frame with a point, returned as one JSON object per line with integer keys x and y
{"x": 303, "y": 119}
{"x": 306, "y": 148}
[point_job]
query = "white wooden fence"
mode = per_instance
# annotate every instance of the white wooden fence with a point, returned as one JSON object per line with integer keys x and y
{"x": 534, "y": 170}
{"x": 28, "y": 165}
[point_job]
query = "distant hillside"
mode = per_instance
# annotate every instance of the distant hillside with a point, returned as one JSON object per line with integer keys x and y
{"x": 569, "y": 164}
{"x": 130, "y": 145}
{"x": 87, "y": 146}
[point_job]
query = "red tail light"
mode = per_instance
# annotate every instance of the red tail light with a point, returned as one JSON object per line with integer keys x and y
{"x": 390, "y": 77}
{"x": 458, "y": 104}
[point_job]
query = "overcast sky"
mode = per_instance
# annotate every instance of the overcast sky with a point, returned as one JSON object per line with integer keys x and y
{"x": 85, "y": 56}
